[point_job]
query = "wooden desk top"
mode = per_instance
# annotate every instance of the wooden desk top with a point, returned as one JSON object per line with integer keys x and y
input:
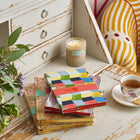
{"x": 112, "y": 122}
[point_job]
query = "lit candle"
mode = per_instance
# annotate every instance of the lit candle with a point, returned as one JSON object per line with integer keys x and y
{"x": 75, "y": 52}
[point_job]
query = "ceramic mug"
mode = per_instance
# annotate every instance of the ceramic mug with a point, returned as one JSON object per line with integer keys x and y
{"x": 130, "y": 87}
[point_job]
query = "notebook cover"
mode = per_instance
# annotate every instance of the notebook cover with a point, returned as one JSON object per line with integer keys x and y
{"x": 74, "y": 90}
{"x": 30, "y": 98}
{"x": 49, "y": 118}
{"x": 46, "y": 118}
{"x": 51, "y": 104}
{"x": 54, "y": 128}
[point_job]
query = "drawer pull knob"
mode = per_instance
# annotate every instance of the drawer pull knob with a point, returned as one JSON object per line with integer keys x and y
{"x": 44, "y": 55}
{"x": 43, "y": 34}
{"x": 44, "y": 14}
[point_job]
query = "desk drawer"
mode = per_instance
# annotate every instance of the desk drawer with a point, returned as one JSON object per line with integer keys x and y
{"x": 45, "y": 53}
{"x": 46, "y": 31}
{"x": 39, "y": 15}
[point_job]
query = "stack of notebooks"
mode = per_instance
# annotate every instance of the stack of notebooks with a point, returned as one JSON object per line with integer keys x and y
{"x": 63, "y": 100}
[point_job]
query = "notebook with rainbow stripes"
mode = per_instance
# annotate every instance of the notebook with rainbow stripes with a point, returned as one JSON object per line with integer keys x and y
{"x": 74, "y": 90}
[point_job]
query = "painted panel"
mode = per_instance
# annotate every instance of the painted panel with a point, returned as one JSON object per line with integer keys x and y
{"x": 42, "y": 14}
{"x": 46, "y": 31}
{"x": 33, "y": 60}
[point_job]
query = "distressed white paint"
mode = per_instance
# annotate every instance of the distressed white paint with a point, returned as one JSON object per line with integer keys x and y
{"x": 7, "y": 3}
{"x": 18, "y": 8}
{"x": 34, "y": 59}
{"x": 53, "y": 28}
{"x": 113, "y": 121}
{"x": 85, "y": 26}
{"x": 33, "y": 17}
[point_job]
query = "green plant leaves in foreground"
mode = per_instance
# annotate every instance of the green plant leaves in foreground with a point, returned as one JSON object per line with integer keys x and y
{"x": 26, "y": 47}
{"x": 11, "y": 82}
{"x": 14, "y": 36}
{"x": 12, "y": 69}
{"x": 14, "y": 55}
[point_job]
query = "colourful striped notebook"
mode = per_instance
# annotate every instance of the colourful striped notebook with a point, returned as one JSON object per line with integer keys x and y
{"x": 51, "y": 105}
{"x": 74, "y": 90}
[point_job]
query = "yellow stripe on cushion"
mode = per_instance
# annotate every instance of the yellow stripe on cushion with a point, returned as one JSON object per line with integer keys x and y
{"x": 133, "y": 66}
{"x": 137, "y": 10}
{"x": 103, "y": 21}
{"x": 125, "y": 19}
{"x": 131, "y": 62}
{"x": 113, "y": 46}
{"x": 129, "y": 25}
{"x": 120, "y": 33}
{"x": 115, "y": 15}
{"x": 134, "y": 2}
{"x": 109, "y": 16}
{"x": 123, "y": 53}
{"x": 108, "y": 45}
{"x": 121, "y": 15}
{"x": 131, "y": 57}
{"x": 117, "y": 51}
{"x": 138, "y": 14}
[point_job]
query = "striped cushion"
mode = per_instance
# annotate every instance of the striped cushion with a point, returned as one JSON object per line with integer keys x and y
{"x": 120, "y": 27}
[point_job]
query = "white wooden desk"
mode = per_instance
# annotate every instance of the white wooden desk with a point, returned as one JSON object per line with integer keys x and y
{"x": 112, "y": 122}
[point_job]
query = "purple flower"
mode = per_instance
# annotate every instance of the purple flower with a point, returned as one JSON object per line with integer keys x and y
{"x": 22, "y": 91}
{"x": 22, "y": 77}
{"x": 22, "y": 85}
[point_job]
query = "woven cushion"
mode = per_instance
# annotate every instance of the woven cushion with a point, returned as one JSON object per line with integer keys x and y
{"x": 119, "y": 25}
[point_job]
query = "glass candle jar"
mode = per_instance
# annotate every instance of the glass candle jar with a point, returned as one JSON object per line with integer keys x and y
{"x": 76, "y": 52}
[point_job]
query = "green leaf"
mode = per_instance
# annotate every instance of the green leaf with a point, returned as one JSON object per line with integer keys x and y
{"x": 14, "y": 36}
{"x": 8, "y": 100}
{"x": 26, "y": 47}
{"x": 14, "y": 55}
{"x": 11, "y": 91}
{"x": 5, "y": 111}
{"x": 8, "y": 80}
{"x": 12, "y": 70}
{"x": 6, "y": 88}
{"x": 21, "y": 46}
{"x": 1, "y": 116}
{"x": 1, "y": 81}
{"x": 2, "y": 49}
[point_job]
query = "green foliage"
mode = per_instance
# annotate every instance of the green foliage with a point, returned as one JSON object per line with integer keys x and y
{"x": 11, "y": 82}
{"x": 14, "y": 36}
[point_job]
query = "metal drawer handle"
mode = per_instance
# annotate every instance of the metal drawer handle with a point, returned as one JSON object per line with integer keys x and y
{"x": 43, "y": 34}
{"x": 44, "y": 14}
{"x": 44, "y": 55}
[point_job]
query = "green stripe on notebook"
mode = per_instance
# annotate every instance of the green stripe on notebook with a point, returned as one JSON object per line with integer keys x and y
{"x": 40, "y": 93}
{"x": 33, "y": 111}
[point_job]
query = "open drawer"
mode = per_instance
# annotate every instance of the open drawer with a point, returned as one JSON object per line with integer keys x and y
{"x": 84, "y": 25}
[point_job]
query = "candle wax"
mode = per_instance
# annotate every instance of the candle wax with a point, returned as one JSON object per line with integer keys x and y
{"x": 75, "y": 52}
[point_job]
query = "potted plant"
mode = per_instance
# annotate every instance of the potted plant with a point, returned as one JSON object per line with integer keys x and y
{"x": 11, "y": 82}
